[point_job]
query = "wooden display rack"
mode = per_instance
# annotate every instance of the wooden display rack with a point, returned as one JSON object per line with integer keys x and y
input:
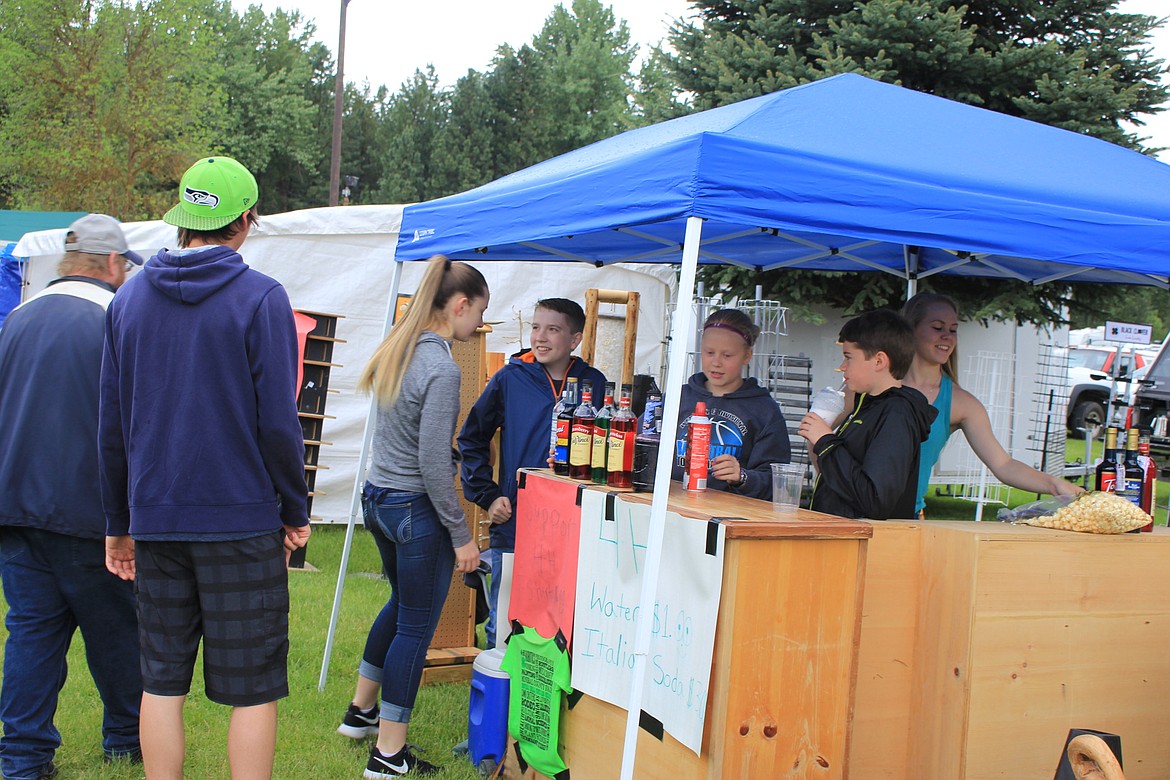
{"x": 311, "y": 398}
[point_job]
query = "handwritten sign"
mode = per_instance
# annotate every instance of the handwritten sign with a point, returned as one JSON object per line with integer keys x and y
{"x": 610, "y": 574}
{"x": 545, "y": 567}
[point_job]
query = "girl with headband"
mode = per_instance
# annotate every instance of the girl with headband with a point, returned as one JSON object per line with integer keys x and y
{"x": 748, "y": 431}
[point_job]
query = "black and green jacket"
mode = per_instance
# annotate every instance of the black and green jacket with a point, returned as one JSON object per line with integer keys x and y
{"x": 868, "y": 467}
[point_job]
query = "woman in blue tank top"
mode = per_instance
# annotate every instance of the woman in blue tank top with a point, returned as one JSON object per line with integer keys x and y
{"x": 936, "y": 323}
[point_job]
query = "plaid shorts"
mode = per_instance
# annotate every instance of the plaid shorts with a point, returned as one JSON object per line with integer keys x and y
{"x": 231, "y": 594}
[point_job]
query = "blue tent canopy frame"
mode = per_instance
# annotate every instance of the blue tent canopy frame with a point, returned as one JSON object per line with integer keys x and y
{"x": 841, "y": 174}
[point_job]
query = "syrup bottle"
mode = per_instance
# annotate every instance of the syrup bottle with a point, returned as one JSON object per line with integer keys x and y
{"x": 581, "y": 439}
{"x": 1130, "y": 474}
{"x": 558, "y": 448}
{"x": 565, "y": 424}
{"x": 1150, "y": 482}
{"x": 601, "y": 438}
{"x": 622, "y": 432}
{"x": 1107, "y": 468}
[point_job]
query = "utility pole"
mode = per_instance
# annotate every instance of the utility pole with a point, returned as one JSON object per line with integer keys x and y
{"x": 338, "y": 95}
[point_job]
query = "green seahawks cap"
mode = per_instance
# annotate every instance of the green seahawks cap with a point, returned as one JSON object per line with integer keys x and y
{"x": 214, "y": 192}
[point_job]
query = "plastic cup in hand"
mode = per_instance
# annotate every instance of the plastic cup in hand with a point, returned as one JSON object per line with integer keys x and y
{"x": 787, "y": 479}
{"x": 828, "y": 404}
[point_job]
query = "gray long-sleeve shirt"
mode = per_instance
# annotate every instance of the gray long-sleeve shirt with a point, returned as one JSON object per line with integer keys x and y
{"x": 412, "y": 439}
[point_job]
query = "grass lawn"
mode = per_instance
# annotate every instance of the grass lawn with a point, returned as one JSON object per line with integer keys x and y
{"x": 307, "y": 744}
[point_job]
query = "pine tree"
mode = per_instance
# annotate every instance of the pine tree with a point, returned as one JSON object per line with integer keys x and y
{"x": 1075, "y": 64}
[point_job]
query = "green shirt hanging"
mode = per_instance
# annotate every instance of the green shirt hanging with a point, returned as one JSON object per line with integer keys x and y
{"x": 540, "y": 675}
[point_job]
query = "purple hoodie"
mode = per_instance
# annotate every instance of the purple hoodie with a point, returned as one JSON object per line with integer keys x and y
{"x": 198, "y": 428}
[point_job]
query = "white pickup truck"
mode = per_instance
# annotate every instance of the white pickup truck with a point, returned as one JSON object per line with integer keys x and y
{"x": 1090, "y": 378}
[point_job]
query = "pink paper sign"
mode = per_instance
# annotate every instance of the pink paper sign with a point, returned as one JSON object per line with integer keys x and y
{"x": 544, "y": 581}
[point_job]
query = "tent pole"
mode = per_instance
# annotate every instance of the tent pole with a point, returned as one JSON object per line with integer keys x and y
{"x": 680, "y": 337}
{"x": 359, "y": 479}
{"x": 910, "y": 258}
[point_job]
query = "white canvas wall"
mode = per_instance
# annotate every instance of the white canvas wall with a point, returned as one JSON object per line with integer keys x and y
{"x": 340, "y": 261}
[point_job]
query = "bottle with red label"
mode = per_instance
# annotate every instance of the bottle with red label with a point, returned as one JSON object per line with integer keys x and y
{"x": 581, "y": 439}
{"x": 623, "y": 428}
{"x": 698, "y": 449}
{"x": 1149, "y": 482}
{"x": 1107, "y": 468}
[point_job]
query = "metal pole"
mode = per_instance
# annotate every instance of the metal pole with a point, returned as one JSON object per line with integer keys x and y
{"x": 359, "y": 480}
{"x": 675, "y": 377}
{"x": 338, "y": 99}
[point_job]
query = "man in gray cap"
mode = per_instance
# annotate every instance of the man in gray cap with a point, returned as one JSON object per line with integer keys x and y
{"x": 52, "y": 527}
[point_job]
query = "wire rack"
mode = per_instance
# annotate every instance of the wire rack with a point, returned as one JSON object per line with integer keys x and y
{"x": 1048, "y": 410}
{"x": 988, "y": 377}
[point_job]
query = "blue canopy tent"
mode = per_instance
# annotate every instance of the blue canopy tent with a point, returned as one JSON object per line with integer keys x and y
{"x": 841, "y": 174}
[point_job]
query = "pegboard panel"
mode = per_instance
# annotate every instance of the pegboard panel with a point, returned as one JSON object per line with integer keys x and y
{"x": 457, "y": 623}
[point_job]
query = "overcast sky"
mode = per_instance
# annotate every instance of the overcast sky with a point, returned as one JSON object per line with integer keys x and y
{"x": 386, "y": 41}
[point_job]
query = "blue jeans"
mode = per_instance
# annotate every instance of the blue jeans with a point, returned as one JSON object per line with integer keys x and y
{"x": 418, "y": 559}
{"x": 55, "y": 584}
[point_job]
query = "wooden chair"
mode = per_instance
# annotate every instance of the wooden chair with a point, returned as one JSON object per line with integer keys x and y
{"x": 1091, "y": 759}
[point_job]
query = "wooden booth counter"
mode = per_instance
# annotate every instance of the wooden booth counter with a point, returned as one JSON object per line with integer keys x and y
{"x": 982, "y": 644}
{"x": 784, "y": 661}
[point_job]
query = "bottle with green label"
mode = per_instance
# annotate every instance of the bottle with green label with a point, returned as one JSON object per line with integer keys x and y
{"x": 601, "y": 440}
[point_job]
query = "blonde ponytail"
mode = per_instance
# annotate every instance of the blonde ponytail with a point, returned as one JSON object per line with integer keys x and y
{"x": 442, "y": 279}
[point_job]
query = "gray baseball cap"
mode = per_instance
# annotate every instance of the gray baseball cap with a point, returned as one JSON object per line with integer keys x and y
{"x": 98, "y": 234}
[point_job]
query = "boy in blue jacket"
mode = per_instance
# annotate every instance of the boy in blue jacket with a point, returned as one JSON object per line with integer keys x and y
{"x": 518, "y": 402}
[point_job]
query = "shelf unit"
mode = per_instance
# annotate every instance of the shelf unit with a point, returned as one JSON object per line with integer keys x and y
{"x": 311, "y": 398}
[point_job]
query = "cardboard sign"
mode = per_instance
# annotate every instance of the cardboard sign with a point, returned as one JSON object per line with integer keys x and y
{"x": 545, "y": 566}
{"x": 609, "y": 590}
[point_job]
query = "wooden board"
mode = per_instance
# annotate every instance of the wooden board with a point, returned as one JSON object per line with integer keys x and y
{"x": 982, "y": 644}
{"x": 886, "y": 655}
{"x": 747, "y": 518}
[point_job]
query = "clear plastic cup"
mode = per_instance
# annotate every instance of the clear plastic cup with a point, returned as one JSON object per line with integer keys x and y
{"x": 787, "y": 479}
{"x": 828, "y": 404}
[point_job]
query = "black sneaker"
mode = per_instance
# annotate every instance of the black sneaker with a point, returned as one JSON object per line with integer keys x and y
{"x": 358, "y": 724}
{"x": 401, "y": 763}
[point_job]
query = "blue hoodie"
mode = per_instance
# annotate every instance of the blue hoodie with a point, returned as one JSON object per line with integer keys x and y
{"x": 198, "y": 429}
{"x": 518, "y": 402}
{"x": 745, "y": 423}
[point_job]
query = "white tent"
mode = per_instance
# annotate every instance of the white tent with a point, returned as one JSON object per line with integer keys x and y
{"x": 340, "y": 261}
